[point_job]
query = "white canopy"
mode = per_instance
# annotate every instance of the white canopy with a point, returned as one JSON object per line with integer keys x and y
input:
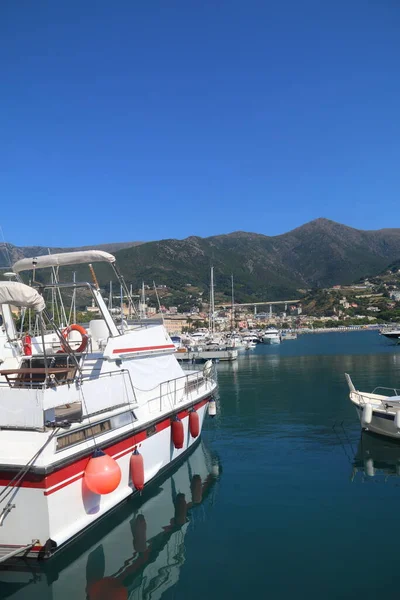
{"x": 65, "y": 258}
{"x": 20, "y": 294}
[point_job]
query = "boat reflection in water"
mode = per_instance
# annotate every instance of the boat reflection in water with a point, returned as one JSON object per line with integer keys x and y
{"x": 135, "y": 553}
{"x": 377, "y": 456}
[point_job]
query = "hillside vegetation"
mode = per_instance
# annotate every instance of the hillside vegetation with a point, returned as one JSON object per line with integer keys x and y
{"x": 318, "y": 254}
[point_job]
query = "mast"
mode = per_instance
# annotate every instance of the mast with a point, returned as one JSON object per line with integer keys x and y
{"x": 110, "y": 299}
{"x": 211, "y": 323}
{"x": 142, "y": 310}
{"x": 122, "y": 308}
{"x": 233, "y": 307}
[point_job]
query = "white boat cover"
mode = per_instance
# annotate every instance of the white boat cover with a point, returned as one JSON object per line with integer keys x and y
{"x": 19, "y": 294}
{"x": 62, "y": 259}
{"x": 147, "y": 373}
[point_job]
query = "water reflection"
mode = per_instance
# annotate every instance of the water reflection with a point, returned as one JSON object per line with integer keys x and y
{"x": 376, "y": 456}
{"x": 136, "y": 553}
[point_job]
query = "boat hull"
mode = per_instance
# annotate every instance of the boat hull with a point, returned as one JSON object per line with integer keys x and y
{"x": 381, "y": 423}
{"x": 134, "y": 543}
{"x": 392, "y": 336}
{"x": 52, "y": 510}
{"x": 272, "y": 340}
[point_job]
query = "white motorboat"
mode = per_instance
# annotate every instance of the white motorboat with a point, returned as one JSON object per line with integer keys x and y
{"x": 251, "y": 339}
{"x": 271, "y": 336}
{"x": 137, "y": 552}
{"x": 86, "y": 424}
{"x": 392, "y": 334}
{"x": 236, "y": 342}
{"x": 379, "y": 410}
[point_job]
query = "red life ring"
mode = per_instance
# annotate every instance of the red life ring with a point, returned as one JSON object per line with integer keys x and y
{"x": 85, "y": 338}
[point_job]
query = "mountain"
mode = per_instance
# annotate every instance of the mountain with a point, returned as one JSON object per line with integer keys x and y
{"x": 318, "y": 254}
{"x": 9, "y": 253}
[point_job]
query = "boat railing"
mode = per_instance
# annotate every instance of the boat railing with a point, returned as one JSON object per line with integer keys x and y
{"x": 380, "y": 387}
{"x": 37, "y": 404}
{"x": 176, "y": 391}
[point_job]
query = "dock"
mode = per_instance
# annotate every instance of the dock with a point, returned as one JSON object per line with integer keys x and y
{"x": 229, "y": 355}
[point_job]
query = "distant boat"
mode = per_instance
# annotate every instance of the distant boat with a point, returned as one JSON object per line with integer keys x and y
{"x": 393, "y": 334}
{"x": 271, "y": 336}
{"x": 289, "y": 335}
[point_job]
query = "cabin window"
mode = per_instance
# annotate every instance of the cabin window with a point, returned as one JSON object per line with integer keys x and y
{"x": 76, "y": 437}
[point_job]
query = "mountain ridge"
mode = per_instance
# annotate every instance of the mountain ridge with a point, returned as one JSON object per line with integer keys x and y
{"x": 319, "y": 253}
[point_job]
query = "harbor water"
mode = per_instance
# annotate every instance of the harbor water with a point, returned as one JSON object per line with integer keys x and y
{"x": 283, "y": 497}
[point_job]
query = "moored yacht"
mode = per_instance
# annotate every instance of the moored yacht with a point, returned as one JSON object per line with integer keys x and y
{"x": 271, "y": 336}
{"x": 86, "y": 424}
{"x": 392, "y": 334}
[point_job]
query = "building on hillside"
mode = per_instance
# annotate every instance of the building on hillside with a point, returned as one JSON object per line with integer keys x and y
{"x": 175, "y": 323}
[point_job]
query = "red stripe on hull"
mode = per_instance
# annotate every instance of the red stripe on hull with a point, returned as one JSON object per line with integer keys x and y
{"x": 74, "y": 471}
{"x": 142, "y": 349}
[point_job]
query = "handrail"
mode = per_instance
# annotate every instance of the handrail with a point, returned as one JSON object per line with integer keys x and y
{"x": 381, "y": 387}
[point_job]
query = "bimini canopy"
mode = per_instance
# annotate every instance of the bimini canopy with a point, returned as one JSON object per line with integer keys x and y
{"x": 20, "y": 294}
{"x": 65, "y": 258}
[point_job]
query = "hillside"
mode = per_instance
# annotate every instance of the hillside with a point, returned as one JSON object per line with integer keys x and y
{"x": 10, "y": 253}
{"x": 318, "y": 254}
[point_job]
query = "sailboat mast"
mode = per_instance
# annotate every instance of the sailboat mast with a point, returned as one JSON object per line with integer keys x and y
{"x": 142, "y": 303}
{"x": 233, "y": 307}
{"x": 211, "y": 326}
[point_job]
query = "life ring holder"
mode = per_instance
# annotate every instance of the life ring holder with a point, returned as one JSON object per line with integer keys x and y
{"x": 85, "y": 338}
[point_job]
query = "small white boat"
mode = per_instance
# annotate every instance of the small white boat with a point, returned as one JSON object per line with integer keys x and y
{"x": 379, "y": 410}
{"x": 392, "y": 334}
{"x": 253, "y": 340}
{"x": 271, "y": 336}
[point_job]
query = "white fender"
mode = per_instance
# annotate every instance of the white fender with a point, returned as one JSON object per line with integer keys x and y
{"x": 369, "y": 467}
{"x": 207, "y": 369}
{"x": 367, "y": 414}
{"x": 212, "y": 408}
{"x": 397, "y": 419}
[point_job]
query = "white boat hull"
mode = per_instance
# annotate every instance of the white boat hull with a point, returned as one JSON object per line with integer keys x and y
{"x": 382, "y": 423}
{"x": 135, "y": 544}
{"x": 51, "y": 510}
{"x": 271, "y": 339}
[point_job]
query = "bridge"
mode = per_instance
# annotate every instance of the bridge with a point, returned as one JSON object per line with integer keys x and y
{"x": 265, "y": 303}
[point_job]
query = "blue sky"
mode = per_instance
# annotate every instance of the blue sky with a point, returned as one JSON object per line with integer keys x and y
{"x": 168, "y": 118}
